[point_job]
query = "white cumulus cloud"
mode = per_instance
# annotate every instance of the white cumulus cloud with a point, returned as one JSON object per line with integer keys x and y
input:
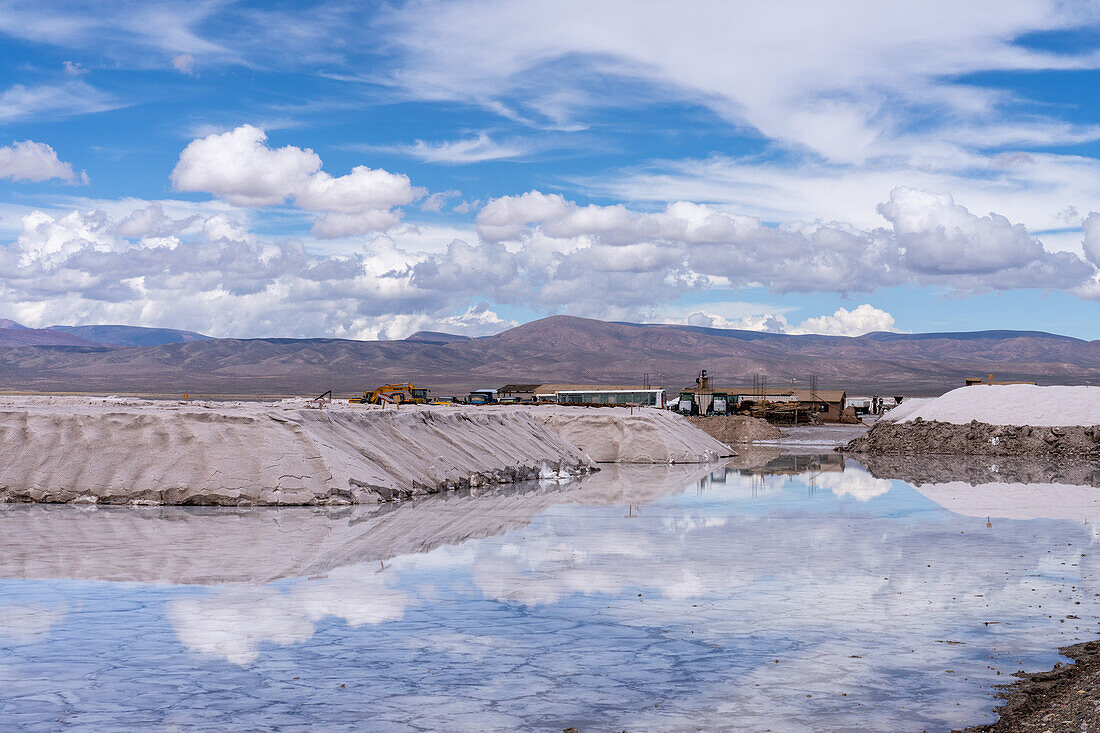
{"x": 32, "y": 161}
{"x": 239, "y": 167}
{"x": 856, "y": 322}
{"x": 1091, "y": 242}
{"x": 932, "y": 240}
{"x": 862, "y": 319}
{"x": 184, "y": 63}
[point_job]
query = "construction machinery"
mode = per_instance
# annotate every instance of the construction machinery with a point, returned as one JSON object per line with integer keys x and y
{"x": 393, "y": 394}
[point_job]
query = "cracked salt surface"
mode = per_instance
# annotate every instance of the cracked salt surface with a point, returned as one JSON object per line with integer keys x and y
{"x": 781, "y": 592}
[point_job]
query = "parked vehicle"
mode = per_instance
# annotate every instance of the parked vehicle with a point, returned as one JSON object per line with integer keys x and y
{"x": 395, "y": 394}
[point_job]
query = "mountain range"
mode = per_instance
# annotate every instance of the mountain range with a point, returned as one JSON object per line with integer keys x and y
{"x": 16, "y": 334}
{"x": 559, "y": 349}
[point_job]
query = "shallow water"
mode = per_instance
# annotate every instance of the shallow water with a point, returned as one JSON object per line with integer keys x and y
{"x": 781, "y": 593}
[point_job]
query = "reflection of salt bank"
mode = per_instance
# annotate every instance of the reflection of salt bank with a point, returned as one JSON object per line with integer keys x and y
{"x": 1017, "y": 501}
{"x": 195, "y": 545}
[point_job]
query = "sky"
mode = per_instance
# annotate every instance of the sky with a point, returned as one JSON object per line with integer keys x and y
{"x": 373, "y": 169}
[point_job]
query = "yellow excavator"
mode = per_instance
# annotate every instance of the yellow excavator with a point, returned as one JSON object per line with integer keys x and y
{"x": 393, "y": 394}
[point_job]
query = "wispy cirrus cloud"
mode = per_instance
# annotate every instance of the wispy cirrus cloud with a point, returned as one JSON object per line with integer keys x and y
{"x": 128, "y": 28}
{"x": 477, "y": 149}
{"x": 20, "y": 102}
{"x": 841, "y": 81}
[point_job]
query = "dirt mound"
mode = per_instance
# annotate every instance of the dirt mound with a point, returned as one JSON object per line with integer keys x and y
{"x": 931, "y": 437}
{"x": 731, "y": 429}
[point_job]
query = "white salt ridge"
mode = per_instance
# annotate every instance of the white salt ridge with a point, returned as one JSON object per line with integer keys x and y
{"x": 615, "y": 435}
{"x": 71, "y": 450}
{"x": 121, "y": 450}
{"x": 1008, "y": 404}
{"x": 905, "y": 409}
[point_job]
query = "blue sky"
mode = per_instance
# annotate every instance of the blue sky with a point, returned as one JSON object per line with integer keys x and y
{"x": 367, "y": 171}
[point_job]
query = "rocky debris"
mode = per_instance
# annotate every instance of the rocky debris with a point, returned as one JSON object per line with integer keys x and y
{"x": 733, "y": 429}
{"x": 979, "y": 470}
{"x": 1067, "y": 698}
{"x": 931, "y": 437}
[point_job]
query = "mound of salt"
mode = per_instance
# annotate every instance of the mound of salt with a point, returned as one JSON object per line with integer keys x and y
{"x": 613, "y": 435}
{"x": 1008, "y": 404}
{"x": 96, "y": 451}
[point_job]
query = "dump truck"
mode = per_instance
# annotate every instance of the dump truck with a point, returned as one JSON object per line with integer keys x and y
{"x": 395, "y": 394}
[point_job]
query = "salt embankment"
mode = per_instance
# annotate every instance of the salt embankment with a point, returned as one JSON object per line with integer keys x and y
{"x": 619, "y": 435}
{"x": 131, "y": 451}
{"x": 992, "y": 420}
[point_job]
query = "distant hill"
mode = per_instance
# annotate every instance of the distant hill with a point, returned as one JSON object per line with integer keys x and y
{"x": 16, "y": 334}
{"x": 557, "y": 349}
{"x": 130, "y": 335}
{"x": 435, "y": 337}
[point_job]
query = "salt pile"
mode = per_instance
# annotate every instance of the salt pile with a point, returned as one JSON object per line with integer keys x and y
{"x": 614, "y": 435}
{"x": 81, "y": 450}
{"x": 1007, "y": 404}
{"x": 993, "y": 420}
{"x": 130, "y": 451}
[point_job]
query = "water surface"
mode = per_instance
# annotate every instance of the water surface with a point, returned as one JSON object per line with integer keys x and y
{"x": 783, "y": 592}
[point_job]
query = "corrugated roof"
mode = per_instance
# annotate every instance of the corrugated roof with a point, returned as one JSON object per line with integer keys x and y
{"x": 519, "y": 388}
{"x": 820, "y": 395}
{"x": 802, "y": 395}
{"x": 552, "y": 388}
